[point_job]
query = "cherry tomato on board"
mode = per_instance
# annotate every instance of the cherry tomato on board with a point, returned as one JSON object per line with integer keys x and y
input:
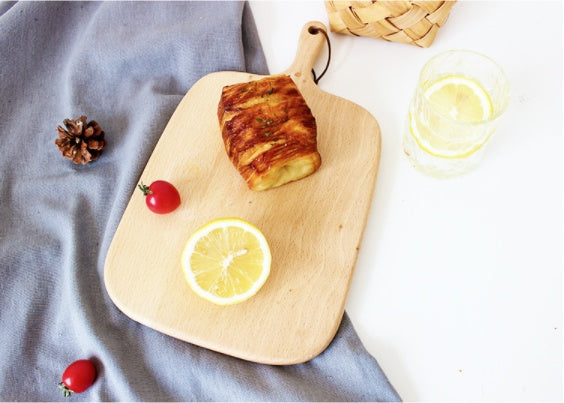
{"x": 78, "y": 377}
{"x": 161, "y": 197}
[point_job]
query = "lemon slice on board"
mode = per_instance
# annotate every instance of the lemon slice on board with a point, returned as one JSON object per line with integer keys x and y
{"x": 226, "y": 261}
{"x": 463, "y": 100}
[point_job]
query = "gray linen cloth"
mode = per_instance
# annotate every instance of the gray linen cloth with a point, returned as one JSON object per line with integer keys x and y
{"x": 126, "y": 65}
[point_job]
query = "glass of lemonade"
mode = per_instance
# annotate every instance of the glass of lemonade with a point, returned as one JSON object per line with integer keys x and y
{"x": 456, "y": 107}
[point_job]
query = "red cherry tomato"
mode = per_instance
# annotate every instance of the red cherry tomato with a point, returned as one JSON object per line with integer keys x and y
{"x": 78, "y": 377}
{"x": 161, "y": 197}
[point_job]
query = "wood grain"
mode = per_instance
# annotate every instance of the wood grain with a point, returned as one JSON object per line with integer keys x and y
{"x": 314, "y": 226}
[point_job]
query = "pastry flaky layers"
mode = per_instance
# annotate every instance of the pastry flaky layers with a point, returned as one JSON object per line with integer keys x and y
{"x": 269, "y": 132}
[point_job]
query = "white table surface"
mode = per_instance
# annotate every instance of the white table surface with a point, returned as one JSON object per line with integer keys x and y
{"x": 457, "y": 290}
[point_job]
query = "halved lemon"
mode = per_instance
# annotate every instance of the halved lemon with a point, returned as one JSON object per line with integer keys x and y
{"x": 226, "y": 261}
{"x": 463, "y": 100}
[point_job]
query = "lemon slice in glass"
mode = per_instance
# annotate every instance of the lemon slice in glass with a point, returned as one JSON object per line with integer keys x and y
{"x": 462, "y": 100}
{"x": 226, "y": 261}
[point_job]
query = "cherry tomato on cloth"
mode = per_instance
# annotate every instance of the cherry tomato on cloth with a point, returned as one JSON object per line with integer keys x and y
{"x": 78, "y": 377}
{"x": 161, "y": 197}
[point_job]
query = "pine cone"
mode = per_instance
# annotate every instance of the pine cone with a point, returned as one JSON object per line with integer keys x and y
{"x": 80, "y": 142}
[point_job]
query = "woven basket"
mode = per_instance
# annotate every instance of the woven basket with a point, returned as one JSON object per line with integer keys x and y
{"x": 413, "y": 22}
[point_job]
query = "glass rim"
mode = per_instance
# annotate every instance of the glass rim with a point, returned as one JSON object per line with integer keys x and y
{"x": 500, "y": 69}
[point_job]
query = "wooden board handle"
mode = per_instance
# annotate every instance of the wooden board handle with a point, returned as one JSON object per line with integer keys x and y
{"x": 310, "y": 43}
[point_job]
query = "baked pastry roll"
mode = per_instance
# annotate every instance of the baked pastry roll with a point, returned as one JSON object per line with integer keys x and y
{"x": 268, "y": 131}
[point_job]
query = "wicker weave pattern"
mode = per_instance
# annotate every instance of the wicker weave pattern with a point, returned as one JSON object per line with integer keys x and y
{"x": 412, "y": 22}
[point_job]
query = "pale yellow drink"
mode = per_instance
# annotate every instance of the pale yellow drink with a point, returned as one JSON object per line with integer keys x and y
{"x": 455, "y": 110}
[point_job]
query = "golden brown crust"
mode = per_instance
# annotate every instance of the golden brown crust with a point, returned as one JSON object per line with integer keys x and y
{"x": 268, "y": 131}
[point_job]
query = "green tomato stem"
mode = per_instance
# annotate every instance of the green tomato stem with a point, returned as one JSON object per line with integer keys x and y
{"x": 66, "y": 391}
{"x": 145, "y": 189}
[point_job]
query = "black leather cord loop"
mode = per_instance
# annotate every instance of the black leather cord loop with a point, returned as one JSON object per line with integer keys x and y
{"x": 315, "y": 30}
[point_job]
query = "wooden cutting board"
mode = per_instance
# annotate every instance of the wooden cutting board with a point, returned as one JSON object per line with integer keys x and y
{"x": 314, "y": 226}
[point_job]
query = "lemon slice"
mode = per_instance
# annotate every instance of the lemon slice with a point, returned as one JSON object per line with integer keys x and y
{"x": 226, "y": 261}
{"x": 463, "y": 100}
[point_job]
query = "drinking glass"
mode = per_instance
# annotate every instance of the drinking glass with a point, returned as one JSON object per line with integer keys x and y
{"x": 459, "y": 99}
